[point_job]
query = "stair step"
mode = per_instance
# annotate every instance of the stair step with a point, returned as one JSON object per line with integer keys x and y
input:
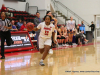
{"x": 60, "y": 13}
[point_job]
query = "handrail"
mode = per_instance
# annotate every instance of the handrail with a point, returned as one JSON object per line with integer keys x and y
{"x": 71, "y": 11}
{"x": 10, "y": 8}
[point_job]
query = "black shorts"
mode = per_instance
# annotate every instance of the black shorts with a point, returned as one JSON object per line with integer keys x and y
{"x": 58, "y": 38}
{"x": 62, "y": 37}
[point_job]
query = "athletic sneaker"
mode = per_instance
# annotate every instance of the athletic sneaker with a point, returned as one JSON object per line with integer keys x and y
{"x": 42, "y": 64}
{"x": 50, "y": 51}
{"x": 63, "y": 44}
{"x": 12, "y": 42}
{"x": 67, "y": 45}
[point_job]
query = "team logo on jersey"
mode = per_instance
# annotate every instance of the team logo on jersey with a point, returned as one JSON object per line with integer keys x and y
{"x": 47, "y": 28}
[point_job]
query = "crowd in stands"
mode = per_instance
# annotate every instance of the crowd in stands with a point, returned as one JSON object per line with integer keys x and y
{"x": 66, "y": 34}
{"x": 68, "y": 37}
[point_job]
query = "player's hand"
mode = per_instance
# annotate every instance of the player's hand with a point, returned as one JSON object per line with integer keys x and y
{"x": 55, "y": 41}
{"x": 25, "y": 29}
{"x": 59, "y": 36}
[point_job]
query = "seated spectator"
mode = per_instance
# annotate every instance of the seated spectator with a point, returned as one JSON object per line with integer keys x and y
{"x": 60, "y": 35}
{"x": 82, "y": 27}
{"x": 13, "y": 26}
{"x": 84, "y": 40}
{"x": 80, "y": 37}
{"x": 23, "y": 27}
{"x": 66, "y": 36}
{"x": 19, "y": 24}
{"x": 3, "y": 8}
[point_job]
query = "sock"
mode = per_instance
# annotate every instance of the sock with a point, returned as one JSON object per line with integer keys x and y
{"x": 41, "y": 60}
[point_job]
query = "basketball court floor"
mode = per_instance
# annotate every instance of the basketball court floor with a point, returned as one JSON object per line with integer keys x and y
{"x": 76, "y": 60}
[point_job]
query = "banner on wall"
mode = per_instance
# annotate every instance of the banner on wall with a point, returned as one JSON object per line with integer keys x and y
{"x": 21, "y": 41}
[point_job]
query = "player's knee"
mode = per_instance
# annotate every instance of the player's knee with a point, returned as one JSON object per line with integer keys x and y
{"x": 41, "y": 52}
{"x": 47, "y": 50}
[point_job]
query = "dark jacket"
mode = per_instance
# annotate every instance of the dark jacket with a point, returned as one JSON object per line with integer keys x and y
{"x": 37, "y": 22}
{"x": 92, "y": 27}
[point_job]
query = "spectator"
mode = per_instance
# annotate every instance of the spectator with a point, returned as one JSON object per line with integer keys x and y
{"x": 54, "y": 20}
{"x": 80, "y": 37}
{"x": 61, "y": 36}
{"x": 3, "y": 8}
{"x": 19, "y": 24}
{"x": 58, "y": 36}
{"x": 37, "y": 20}
{"x": 49, "y": 13}
{"x": 71, "y": 28}
{"x": 92, "y": 28}
{"x": 13, "y": 26}
{"x": 82, "y": 27}
{"x": 23, "y": 27}
{"x": 66, "y": 36}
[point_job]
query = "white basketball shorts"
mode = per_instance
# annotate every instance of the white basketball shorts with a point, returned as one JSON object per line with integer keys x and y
{"x": 44, "y": 41}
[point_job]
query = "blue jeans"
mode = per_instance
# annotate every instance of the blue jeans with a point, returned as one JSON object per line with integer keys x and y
{"x": 36, "y": 38}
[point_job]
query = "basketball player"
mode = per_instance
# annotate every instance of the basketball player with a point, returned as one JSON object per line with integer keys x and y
{"x": 5, "y": 26}
{"x": 47, "y": 30}
{"x": 71, "y": 29}
{"x": 54, "y": 22}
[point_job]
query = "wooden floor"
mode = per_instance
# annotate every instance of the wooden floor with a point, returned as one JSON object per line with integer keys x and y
{"x": 82, "y": 60}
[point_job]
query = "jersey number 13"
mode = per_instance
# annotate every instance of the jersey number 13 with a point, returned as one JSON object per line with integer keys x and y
{"x": 46, "y": 32}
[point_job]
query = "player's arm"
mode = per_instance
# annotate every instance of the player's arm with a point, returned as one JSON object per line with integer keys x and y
{"x": 60, "y": 32}
{"x": 56, "y": 21}
{"x": 63, "y": 33}
{"x": 73, "y": 27}
{"x": 67, "y": 26}
{"x": 37, "y": 28}
{"x": 53, "y": 35}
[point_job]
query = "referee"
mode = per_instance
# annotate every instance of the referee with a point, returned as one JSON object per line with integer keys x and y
{"x": 5, "y": 26}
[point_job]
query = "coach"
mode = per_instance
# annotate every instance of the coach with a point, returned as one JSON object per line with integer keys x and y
{"x": 37, "y": 20}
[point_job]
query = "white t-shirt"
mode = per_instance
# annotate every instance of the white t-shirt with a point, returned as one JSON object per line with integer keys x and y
{"x": 70, "y": 25}
{"x": 46, "y": 30}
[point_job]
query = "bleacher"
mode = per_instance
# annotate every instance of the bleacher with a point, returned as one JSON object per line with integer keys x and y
{"x": 16, "y": 15}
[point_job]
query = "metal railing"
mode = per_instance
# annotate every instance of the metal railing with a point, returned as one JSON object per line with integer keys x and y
{"x": 10, "y": 8}
{"x": 66, "y": 11}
